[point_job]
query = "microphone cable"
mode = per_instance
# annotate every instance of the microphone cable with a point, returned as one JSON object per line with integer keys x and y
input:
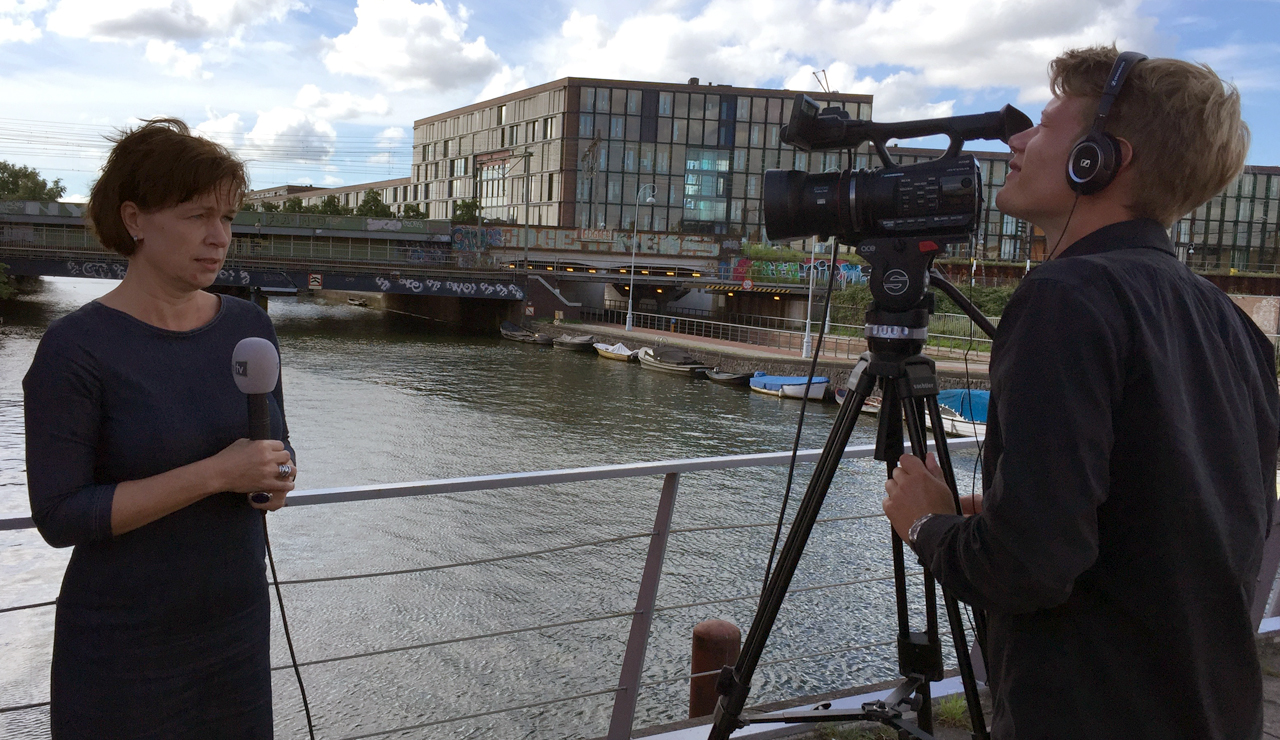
{"x": 288, "y": 638}
{"x": 804, "y": 402}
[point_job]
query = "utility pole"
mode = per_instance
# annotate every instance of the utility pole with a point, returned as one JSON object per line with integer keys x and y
{"x": 528, "y": 156}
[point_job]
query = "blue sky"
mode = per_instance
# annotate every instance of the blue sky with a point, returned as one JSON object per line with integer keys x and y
{"x": 326, "y": 92}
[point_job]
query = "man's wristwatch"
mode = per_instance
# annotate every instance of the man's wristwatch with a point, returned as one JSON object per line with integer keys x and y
{"x": 914, "y": 532}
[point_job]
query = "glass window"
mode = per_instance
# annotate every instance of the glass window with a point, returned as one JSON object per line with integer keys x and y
{"x": 602, "y": 100}
{"x": 633, "y": 102}
{"x": 678, "y": 130}
{"x": 757, "y": 109}
{"x": 739, "y": 160}
{"x": 615, "y": 188}
{"x": 775, "y": 110}
{"x": 615, "y": 156}
{"x": 695, "y": 131}
{"x": 665, "y": 103}
{"x": 682, "y": 105}
{"x": 712, "y": 109}
{"x": 646, "y": 158}
{"x": 774, "y": 141}
{"x": 677, "y": 159}
{"x": 735, "y": 211}
{"x": 741, "y": 133}
{"x": 831, "y": 162}
{"x": 619, "y": 106}
{"x": 756, "y": 129}
{"x": 712, "y": 135}
{"x": 629, "y": 157}
{"x": 585, "y": 124}
{"x": 662, "y": 160}
{"x": 696, "y": 101}
{"x": 802, "y": 161}
{"x": 617, "y": 127}
{"x": 744, "y": 109}
{"x": 633, "y": 128}
{"x": 753, "y": 186}
{"x": 664, "y": 130}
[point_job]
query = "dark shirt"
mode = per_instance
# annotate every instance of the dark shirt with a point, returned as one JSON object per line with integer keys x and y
{"x": 162, "y": 631}
{"x": 1129, "y": 477}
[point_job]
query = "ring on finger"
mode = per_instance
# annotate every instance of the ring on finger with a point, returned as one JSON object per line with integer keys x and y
{"x": 285, "y": 471}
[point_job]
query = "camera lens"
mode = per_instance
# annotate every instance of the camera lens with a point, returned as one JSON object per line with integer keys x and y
{"x": 800, "y": 204}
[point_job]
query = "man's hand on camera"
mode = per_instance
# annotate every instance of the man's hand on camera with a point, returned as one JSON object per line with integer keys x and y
{"x": 918, "y": 488}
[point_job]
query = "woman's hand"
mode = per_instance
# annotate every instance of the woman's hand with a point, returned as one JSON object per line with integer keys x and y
{"x": 252, "y": 466}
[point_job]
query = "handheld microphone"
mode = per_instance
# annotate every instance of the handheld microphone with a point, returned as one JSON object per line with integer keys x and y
{"x": 255, "y": 365}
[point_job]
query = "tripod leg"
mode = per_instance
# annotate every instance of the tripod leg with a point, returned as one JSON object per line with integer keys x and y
{"x": 954, "y": 616}
{"x": 735, "y": 683}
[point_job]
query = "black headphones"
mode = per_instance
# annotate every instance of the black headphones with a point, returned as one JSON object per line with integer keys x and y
{"x": 1096, "y": 158}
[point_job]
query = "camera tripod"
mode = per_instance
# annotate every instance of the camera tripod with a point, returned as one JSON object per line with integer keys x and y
{"x": 908, "y": 383}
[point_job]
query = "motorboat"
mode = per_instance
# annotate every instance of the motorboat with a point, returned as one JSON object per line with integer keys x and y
{"x": 520, "y": 334}
{"x": 584, "y": 343}
{"x": 741, "y": 380}
{"x": 672, "y": 360}
{"x": 789, "y": 386}
{"x": 955, "y": 405}
{"x": 617, "y": 351}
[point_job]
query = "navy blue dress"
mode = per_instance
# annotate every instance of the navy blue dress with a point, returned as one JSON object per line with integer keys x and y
{"x": 162, "y": 632}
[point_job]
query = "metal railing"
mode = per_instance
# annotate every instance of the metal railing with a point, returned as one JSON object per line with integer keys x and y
{"x": 629, "y": 684}
{"x": 950, "y": 335}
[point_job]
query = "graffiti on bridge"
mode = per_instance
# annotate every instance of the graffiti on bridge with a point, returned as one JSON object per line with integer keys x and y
{"x": 738, "y": 269}
{"x": 428, "y": 286}
{"x": 104, "y": 270}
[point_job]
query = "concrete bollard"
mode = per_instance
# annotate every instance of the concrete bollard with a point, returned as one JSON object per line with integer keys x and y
{"x": 715, "y": 643}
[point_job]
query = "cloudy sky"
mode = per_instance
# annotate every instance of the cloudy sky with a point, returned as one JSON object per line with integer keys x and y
{"x": 326, "y": 91}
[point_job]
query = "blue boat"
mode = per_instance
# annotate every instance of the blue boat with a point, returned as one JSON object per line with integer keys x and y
{"x": 789, "y": 386}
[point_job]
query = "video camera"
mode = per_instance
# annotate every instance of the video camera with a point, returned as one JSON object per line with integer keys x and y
{"x": 899, "y": 217}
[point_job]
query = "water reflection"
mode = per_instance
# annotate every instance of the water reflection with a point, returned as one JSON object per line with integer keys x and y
{"x": 374, "y": 400}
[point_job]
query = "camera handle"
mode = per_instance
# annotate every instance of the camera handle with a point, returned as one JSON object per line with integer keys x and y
{"x": 908, "y": 384}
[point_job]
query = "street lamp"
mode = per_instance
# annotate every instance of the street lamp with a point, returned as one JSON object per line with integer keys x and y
{"x": 635, "y": 244}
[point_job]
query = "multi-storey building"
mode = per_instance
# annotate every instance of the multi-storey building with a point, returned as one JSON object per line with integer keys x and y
{"x": 395, "y": 193}
{"x": 590, "y": 153}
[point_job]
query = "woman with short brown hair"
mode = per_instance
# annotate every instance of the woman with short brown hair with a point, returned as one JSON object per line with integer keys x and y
{"x": 136, "y": 457}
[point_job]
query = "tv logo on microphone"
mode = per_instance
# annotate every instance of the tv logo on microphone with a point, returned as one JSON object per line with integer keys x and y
{"x": 242, "y": 368}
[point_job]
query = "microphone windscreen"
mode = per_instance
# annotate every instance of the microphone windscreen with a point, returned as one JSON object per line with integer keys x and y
{"x": 255, "y": 364}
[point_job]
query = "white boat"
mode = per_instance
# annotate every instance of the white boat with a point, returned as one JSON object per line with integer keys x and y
{"x": 953, "y": 423}
{"x": 789, "y": 386}
{"x": 673, "y": 361}
{"x": 617, "y": 351}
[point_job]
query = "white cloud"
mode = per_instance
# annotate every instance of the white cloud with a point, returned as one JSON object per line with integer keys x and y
{"x": 227, "y": 130}
{"x": 173, "y": 20}
{"x": 902, "y": 96}
{"x": 340, "y": 106}
{"x": 330, "y": 181}
{"x": 15, "y": 20}
{"x": 411, "y": 46}
{"x": 1251, "y": 67}
{"x": 289, "y": 134}
{"x": 175, "y": 61}
{"x": 915, "y": 47}
{"x": 506, "y": 80}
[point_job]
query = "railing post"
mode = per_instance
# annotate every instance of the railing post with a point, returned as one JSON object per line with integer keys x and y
{"x": 624, "y": 701}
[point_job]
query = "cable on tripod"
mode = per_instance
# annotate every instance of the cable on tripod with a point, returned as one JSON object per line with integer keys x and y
{"x": 293, "y": 657}
{"x": 804, "y": 402}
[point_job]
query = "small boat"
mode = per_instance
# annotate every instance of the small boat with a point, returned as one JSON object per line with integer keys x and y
{"x": 735, "y": 379}
{"x": 520, "y": 334}
{"x": 672, "y": 360}
{"x": 617, "y": 351}
{"x": 584, "y": 343}
{"x": 358, "y": 302}
{"x": 954, "y": 423}
{"x": 789, "y": 386}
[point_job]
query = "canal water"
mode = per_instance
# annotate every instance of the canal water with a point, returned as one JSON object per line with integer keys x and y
{"x": 377, "y": 399}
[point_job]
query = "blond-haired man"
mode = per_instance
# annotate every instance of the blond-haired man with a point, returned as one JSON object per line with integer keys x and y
{"x": 1130, "y": 463}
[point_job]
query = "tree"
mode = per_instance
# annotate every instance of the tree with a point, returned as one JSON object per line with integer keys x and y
{"x": 269, "y": 207}
{"x": 373, "y": 207}
{"x": 467, "y": 211}
{"x": 248, "y": 206}
{"x": 25, "y": 183}
{"x": 412, "y": 211}
{"x": 6, "y": 283}
{"x": 330, "y": 206}
{"x": 293, "y": 205}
